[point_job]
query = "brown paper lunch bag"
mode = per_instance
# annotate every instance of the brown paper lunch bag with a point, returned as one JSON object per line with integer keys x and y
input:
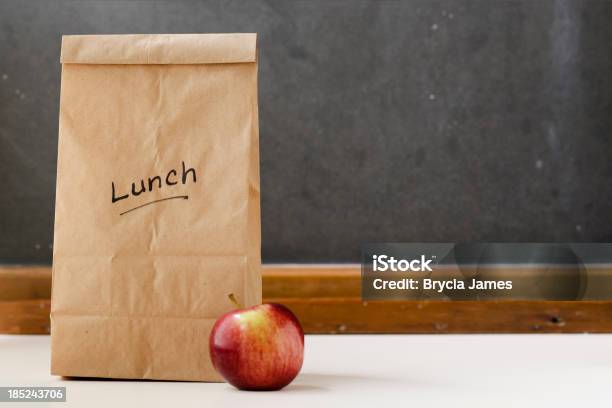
{"x": 157, "y": 212}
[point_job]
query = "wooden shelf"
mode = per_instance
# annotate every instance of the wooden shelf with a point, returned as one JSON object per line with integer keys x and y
{"x": 326, "y": 299}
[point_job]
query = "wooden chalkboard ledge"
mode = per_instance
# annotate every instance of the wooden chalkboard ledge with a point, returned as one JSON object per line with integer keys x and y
{"x": 326, "y": 299}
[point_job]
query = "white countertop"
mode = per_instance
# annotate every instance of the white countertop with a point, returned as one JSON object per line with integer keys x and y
{"x": 375, "y": 370}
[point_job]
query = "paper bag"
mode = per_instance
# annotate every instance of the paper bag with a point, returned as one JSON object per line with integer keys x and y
{"x": 157, "y": 206}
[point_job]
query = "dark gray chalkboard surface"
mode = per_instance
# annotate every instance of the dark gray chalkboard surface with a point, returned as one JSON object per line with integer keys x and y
{"x": 380, "y": 120}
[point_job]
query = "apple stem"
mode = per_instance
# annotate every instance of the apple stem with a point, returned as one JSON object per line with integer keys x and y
{"x": 234, "y": 301}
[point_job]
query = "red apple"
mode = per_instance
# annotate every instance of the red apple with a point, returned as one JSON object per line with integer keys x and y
{"x": 258, "y": 348}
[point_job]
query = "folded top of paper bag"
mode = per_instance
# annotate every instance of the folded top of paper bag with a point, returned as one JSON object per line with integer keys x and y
{"x": 159, "y": 49}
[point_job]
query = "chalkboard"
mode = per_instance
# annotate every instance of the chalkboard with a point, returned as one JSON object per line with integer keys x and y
{"x": 380, "y": 120}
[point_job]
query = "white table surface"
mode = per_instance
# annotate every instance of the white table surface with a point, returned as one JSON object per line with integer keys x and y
{"x": 375, "y": 371}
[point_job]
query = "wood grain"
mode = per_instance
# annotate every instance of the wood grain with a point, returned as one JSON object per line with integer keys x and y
{"x": 25, "y": 282}
{"x": 311, "y": 281}
{"x": 326, "y": 299}
{"x": 26, "y": 316}
{"x": 354, "y": 316}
